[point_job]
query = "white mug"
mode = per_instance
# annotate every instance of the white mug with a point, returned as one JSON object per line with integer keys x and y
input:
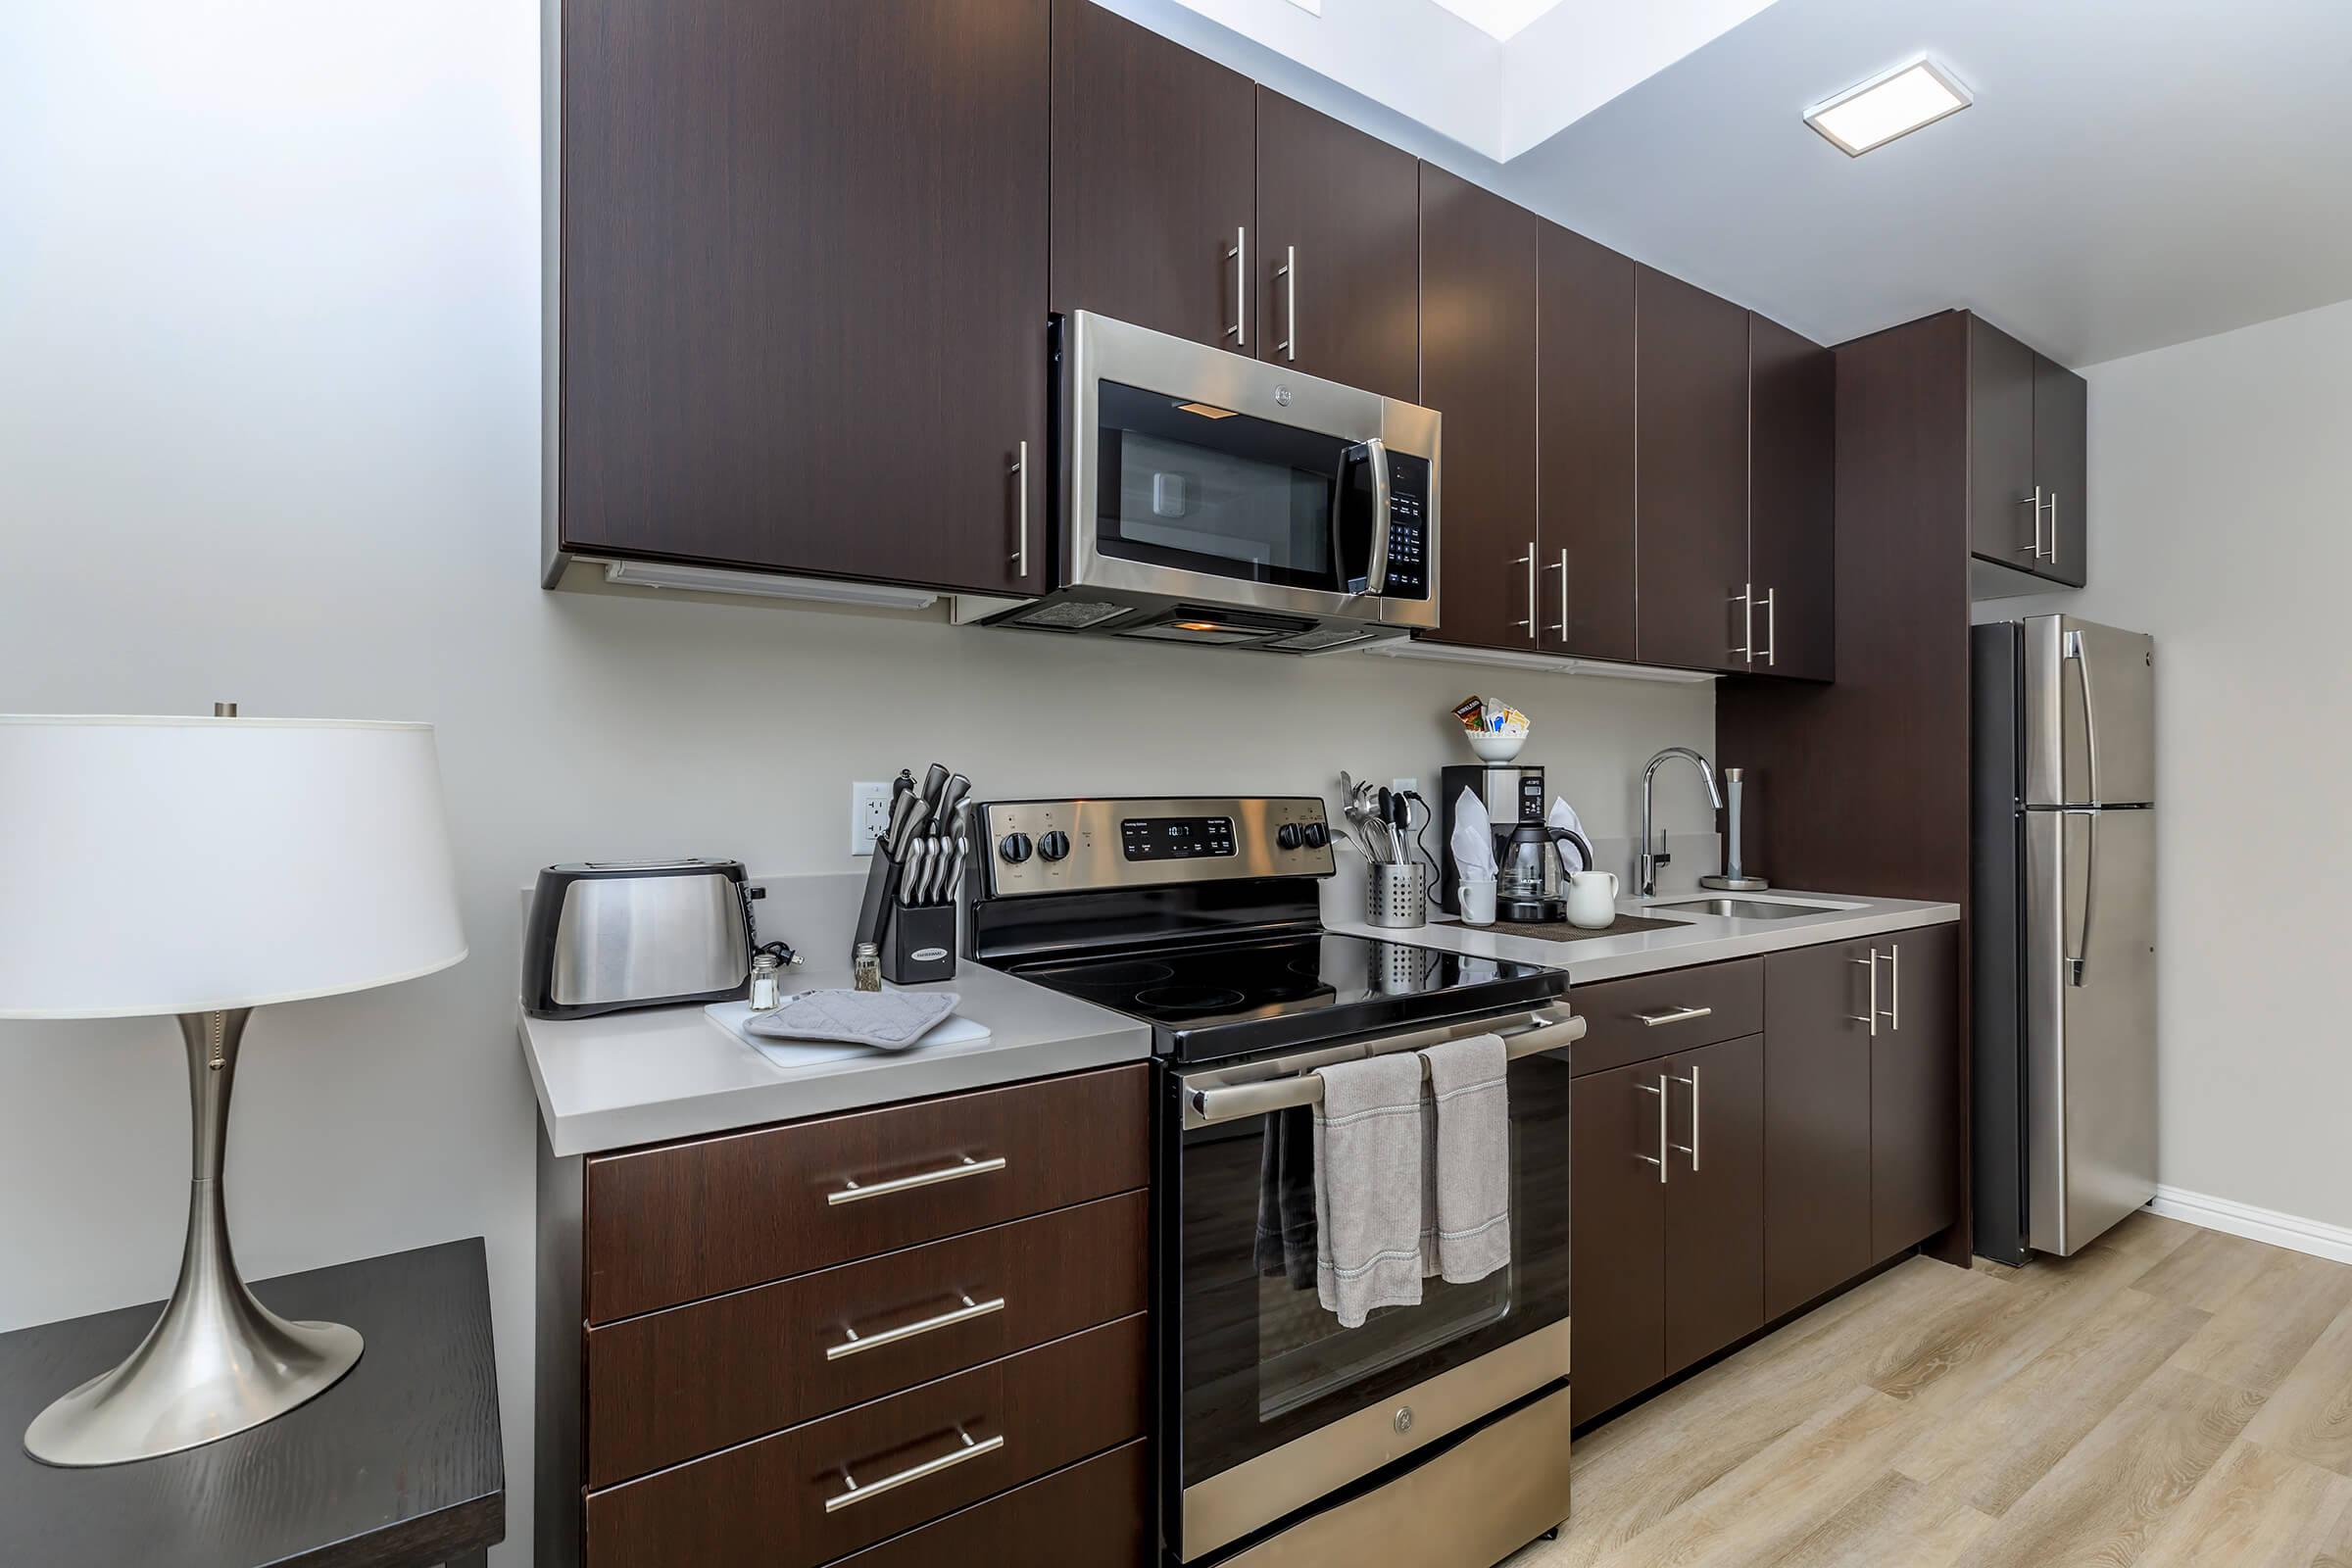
{"x": 1591, "y": 900}
{"x": 1477, "y": 900}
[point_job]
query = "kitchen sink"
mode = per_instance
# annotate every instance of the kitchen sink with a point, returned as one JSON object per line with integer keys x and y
{"x": 1743, "y": 908}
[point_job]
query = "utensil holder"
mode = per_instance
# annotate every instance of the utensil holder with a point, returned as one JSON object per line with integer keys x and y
{"x": 1397, "y": 896}
{"x": 919, "y": 945}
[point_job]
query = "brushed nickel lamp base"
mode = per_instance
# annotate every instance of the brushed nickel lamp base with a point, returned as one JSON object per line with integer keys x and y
{"x": 218, "y": 1362}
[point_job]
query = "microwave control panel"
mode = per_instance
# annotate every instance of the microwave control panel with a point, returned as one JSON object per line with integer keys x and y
{"x": 1408, "y": 528}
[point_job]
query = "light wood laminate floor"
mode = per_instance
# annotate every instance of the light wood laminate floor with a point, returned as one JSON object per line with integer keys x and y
{"x": 2168, "y": 1397}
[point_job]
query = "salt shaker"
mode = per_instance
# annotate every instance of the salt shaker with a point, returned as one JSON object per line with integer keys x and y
{"x": 767, "y": 983}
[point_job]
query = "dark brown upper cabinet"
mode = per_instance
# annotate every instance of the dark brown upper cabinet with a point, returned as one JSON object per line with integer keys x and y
{"x": 1691, "y": 388}
{"x": 1339, "y": 266}
{"x": 1478, "y": 369}
{"x": 2027, "y": 461}
{"x": 1154, "y": 181}
{"x": 771, "y": 274}
{"x": 1816, "y": 1121}
{"x": 1792, "y": 504}
{"x": 1585, "y": 374}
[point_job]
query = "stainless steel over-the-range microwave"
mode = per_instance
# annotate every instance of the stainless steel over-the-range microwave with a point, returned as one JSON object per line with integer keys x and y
{"x": 1208, "y": 497}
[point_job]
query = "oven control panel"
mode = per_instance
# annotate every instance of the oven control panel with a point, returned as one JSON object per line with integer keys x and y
{"x": 1090, "y": 846}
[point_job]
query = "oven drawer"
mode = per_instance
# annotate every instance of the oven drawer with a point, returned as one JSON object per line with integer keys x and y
{"x": 1649, "y": 1016}
{"x": 1092, "y": 1515}
{"x": 689, "y": 1220}
{"x": 670, "y": 1385}
{"x": 786, "y": 1501}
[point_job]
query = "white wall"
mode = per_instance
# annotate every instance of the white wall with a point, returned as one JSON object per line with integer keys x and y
{"x": 270, "y": 432}
{"x": 2221, "y": 521}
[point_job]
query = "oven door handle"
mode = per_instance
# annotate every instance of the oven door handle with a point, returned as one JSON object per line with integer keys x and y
{"x": 1208, "y": 1104}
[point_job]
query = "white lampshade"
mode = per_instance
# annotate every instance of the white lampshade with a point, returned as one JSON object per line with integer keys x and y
{"x": 177, "y": 865}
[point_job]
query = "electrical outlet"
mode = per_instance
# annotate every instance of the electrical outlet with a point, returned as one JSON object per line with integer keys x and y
{"x": 869, "y": 815}
{"x": 1400, "y": 786}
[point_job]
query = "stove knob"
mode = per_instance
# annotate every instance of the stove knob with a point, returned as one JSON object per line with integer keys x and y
{"x": 1014, "y": 847}
{"x": 1054, "y": 844}
{"x": 1288, "y": 836}
{"x": 1317, "y": 835}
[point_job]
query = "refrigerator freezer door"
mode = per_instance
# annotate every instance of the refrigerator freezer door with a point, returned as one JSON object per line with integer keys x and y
{"x": 2090, "y": 1023}
{"x": 2090, "y": 713}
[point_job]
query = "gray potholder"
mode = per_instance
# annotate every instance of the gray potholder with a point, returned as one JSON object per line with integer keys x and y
{"x": 890, "y": 1020}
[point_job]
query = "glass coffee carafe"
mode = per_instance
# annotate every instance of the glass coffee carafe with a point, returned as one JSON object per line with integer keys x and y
{"x": 1529, "y": 873}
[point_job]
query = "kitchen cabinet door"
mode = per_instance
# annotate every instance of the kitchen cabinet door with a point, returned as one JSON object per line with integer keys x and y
{"x": 1338, "y": 274}
{"x": 2000, "y": 409}
{"x": 1915, "y": 1090}
{"x": 1154, "y": 181}
{"x": 772, "y": 272}
{"x": 1692, "y": 405}
{"x": 2062, "y": 466}
{"x": 1478, "y": 369}
{"x": 1585, "y": 376}
{"x": 1816, "y": 1122}
{"x": 1617, "y": 1236}
{"x": 1714, "y": 1198}
{"x": 1792, "y": 532}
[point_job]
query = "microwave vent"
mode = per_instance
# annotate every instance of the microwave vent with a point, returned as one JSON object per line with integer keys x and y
{"x": 1068, "y": 614}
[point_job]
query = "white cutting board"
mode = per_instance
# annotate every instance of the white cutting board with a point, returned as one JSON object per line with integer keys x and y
{"x": 952, "y": 1033}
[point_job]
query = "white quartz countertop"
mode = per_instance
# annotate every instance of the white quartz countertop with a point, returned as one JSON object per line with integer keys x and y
{"x": 1694, "y": 939}
{"x": 664, "y": 1073}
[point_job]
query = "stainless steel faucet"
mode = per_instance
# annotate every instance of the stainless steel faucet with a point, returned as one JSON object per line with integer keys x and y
{"x": 1645, "y": 866}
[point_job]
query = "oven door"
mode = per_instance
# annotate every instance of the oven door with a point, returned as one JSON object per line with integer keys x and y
{"x": 1268, "y": 1403}
{"x": 1194, "y": 475}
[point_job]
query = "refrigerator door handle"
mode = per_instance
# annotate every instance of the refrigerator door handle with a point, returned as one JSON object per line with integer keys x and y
{"x": 2079, "y": 657}
{"x": 2077, "y": 946}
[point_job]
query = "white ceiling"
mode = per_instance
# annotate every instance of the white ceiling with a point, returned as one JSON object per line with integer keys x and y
{"x": 2133, "y": 173}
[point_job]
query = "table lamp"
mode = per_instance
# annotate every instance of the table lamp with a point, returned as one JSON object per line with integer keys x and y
{"x": 203, "y": 868}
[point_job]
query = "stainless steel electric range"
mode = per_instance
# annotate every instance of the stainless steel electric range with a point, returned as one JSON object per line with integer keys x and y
{"x": 1436, "y": 1434}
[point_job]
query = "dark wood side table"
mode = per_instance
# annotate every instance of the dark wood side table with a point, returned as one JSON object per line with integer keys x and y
{"x": 398, "y": 1465}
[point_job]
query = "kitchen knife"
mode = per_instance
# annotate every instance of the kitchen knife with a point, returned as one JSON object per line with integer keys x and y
{"x": 944, "y": 821}
{"x": 903, "y": 806}
{"x": 935, "y": 779}
{"x": 918, "y": 871}
{"x": 904, "y": 838}
{"x": 963, "y": 847}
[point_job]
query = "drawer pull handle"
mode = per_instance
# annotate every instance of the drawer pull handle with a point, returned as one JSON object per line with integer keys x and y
{"x": 969, "y": 1310}
{"x": 1651, "y": 1020}
{"x": 929, "y": 1467}
{"x": 852, "y": 1193}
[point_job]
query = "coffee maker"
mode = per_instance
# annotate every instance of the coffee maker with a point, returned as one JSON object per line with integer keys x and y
{"x": 1511, "y": 795}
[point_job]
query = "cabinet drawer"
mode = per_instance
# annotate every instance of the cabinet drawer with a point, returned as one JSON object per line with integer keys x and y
{"x": 1091, "y": 1515}
{"x": 786, "y": 1502}
{"x": 670, "y": 1385}
{"x": 689, "y": 1220}
{"x": 1675, "y": 1009}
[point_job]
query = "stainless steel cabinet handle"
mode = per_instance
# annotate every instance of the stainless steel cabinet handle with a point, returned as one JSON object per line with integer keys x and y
{"x": 929, "y": 1467}
{"x": 1894, "y": 986}
{"x": 2034, "y": 500}
{"x": 1691, "y": 1148}
{"x": 1658, "y": 1089}
{"x": 1020, "y": 540}
{"x": 1287, "y": 272}
{"x": 856, "y": 1343}
{"x": 1872, "y": 1017}
{"x": 852, "y": 1193}
{"x": 1771, "y": 626}
{"x": 2052, "y": 556}
{"x": 1529, "y": 562}
{"x": 1652, "y": 1020}
{"x": 1746, "y": 599}
{"x": 1238, "y": 332}
{"x": 1561, "y": 567}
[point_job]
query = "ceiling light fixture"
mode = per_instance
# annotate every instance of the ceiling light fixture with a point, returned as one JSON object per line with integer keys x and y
{"x": 1891, "y": 104}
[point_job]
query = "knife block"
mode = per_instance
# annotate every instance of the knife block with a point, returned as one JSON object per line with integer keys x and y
{"x": 919, "y": 945}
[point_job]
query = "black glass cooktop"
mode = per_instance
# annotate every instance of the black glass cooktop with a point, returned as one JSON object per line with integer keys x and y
{"x": 1215, "y": 999}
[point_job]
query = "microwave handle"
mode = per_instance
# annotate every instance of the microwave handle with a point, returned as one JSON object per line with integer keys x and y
{"x": 1376, "y": 572}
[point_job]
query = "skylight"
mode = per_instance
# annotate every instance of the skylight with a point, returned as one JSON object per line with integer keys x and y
{"x": 1498, "y": 19}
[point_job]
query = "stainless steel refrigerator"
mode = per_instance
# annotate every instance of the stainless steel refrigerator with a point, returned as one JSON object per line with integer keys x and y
{"x": 2063, "y": 954}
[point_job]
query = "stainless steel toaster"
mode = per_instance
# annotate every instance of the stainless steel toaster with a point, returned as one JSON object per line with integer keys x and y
{"x": 607, "y": 935}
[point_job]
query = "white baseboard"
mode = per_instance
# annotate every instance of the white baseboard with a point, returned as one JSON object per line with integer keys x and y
{"x": 2290, "y": 1231}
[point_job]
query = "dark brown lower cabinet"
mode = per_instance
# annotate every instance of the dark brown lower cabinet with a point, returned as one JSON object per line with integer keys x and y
{"x": 1617, "y": 1237}
{"x": 1915, "y": 1066}
{"x": 1714, "y": 1198}
{"x": 1816, "y": 1121}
